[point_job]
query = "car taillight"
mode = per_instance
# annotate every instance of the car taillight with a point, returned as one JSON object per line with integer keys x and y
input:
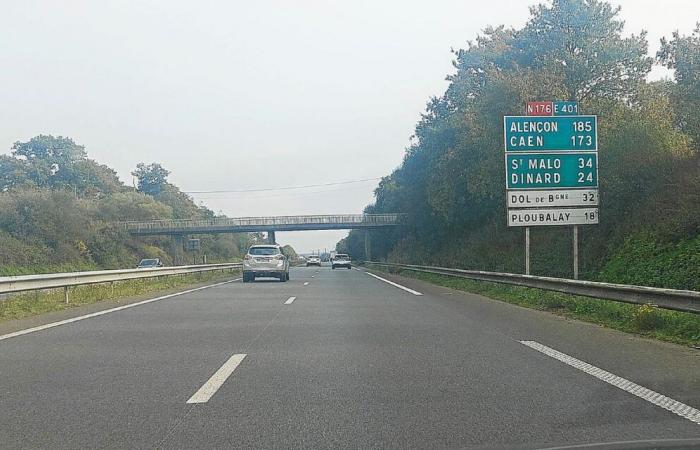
{"x": 280, "y": 257}
{"x": 248, "y": 257}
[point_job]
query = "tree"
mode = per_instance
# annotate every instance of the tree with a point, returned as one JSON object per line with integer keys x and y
{"x": 56, "y": 163}
{"x": 582, "y": 40}
{"x": 152, "y": 177}
{"x": 50, "y": 161}
{"x": 13, "y": 173}
{"x": 682, "y": 54}
{"x": 289, "y": 252}
{"x": 450, "y": 183}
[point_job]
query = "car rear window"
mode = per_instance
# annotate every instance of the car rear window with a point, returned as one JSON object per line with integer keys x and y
{"x": 263, "y": 251}
{"x": 341, "y": 257}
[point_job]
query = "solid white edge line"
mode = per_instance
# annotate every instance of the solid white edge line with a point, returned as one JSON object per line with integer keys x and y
{"x": 394, "y": 284}
{"x": 106, "y": 311}
{"x": 290, "y": 300}
{"x": 213, "y": 384}
{"x": 667, "y": 403}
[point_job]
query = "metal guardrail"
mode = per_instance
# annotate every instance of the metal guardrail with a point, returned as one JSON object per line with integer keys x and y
{"x": 675, "y": 299}
{"x": 65, "y": 280}
{"x": 220, "y": 222}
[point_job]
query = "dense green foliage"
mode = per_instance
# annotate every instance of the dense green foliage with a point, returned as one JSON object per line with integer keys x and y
{"x": 58, "y": 209}
{"x": 644, "y": 260}
{"x": 451, "y": 181}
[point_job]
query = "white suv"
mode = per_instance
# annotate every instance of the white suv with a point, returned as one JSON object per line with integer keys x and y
{"x": 340, "y": 260}
{"x": 265, "y": 261}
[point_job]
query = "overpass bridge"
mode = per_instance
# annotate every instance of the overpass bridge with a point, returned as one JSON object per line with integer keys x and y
{"x": 183, "y": 227}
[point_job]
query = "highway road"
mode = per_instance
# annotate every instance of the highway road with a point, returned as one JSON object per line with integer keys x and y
{"x": 339, "y": 359}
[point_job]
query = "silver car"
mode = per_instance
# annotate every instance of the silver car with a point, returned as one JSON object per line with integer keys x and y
{"x": 265, "y": 261}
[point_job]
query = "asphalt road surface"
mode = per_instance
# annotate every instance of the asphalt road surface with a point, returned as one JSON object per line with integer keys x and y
{"x": 339, "y": 359}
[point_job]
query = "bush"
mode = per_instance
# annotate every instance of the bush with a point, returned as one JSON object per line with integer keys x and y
{"x": 645, "y": 260}
{"x": 647, "y": 317}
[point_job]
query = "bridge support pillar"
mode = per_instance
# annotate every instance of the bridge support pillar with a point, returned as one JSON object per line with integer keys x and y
{"x": 368, "y": 247}
{"x": 271, "y": 237}
{"x": 177, "y": 246}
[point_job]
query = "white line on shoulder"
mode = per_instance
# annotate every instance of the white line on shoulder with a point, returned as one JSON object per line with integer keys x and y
{"x": 676, "y": 407}
{"x": 394, "y": 284}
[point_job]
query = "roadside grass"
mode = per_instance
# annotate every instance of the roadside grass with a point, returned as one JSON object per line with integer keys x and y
{"x": 27, "y": 304}
{"x": 644, "y": 320}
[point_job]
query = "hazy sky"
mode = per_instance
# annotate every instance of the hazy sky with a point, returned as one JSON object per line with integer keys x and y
{"x": 251, "y": 94}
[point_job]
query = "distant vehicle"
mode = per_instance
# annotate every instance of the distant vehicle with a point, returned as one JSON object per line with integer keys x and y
{"x": 150, "y": 263}
{"x": 313, "y": 261}
{"x": 265, "y": 261}
{"x": 341, "y": 260}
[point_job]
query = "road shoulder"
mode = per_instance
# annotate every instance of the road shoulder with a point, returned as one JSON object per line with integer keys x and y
{"x": 13, "y": 325}
{"x": 644, "y": 360}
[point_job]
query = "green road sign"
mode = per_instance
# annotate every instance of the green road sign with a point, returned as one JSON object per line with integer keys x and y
{"x": 551, "y": 170}
{"x": 542, "y": 133}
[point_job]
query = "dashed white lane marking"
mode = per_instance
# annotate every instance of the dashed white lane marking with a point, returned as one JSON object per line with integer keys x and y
{"x": 106, "y": 311}
{"x": 306, "y": 283}
{"x": 676, "y": 407}
{"x": 394, "y": 284}
{"x": 290, "y": 300}
{"x": 212, "y": 385}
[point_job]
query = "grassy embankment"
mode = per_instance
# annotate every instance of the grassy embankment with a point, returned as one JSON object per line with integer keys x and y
{"x": 644, "y": 320}
{"x": 39, "y": 302}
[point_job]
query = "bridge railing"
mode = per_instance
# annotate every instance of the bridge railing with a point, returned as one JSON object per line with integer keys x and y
{"x": 351, "y": 219}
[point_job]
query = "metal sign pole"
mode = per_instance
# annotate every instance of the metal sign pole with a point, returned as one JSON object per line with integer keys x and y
{"x": 527, "y": 250}
{"x": 575, "y": 252}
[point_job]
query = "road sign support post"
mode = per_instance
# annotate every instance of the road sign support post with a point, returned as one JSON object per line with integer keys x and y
{"x": 527, "y": 250}
{"x": 575, "y": 243}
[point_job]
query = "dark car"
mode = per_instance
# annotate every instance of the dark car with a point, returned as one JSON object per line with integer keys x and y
{"x": 150, "y": 263}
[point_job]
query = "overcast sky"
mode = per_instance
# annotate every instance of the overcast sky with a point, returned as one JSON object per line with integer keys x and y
{"x": 233, "y": 95}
